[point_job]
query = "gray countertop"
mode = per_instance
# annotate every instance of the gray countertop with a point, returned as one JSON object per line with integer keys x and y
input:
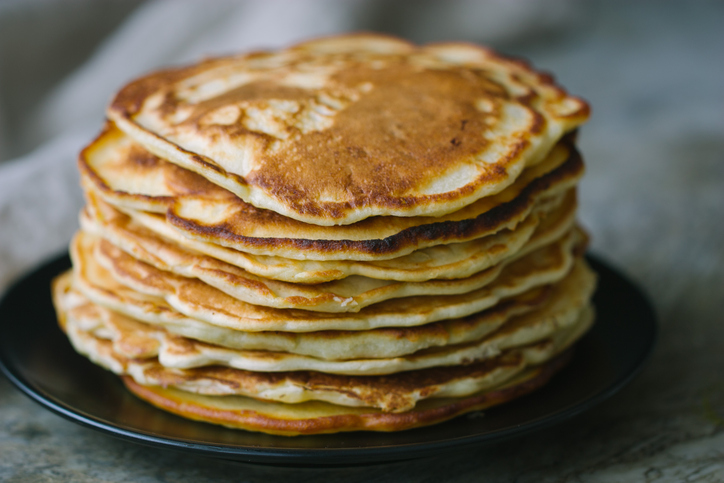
{"x": 653, "y": 199}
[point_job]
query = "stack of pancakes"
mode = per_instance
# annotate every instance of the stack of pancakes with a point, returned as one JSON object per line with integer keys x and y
{"x": 354, "y": 233}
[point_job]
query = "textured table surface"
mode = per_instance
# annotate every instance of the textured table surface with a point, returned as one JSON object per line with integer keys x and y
{"x": 654, "y": 201}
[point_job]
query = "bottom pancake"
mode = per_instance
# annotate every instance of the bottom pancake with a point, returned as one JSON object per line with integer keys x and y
{"x": 316, "y": 417}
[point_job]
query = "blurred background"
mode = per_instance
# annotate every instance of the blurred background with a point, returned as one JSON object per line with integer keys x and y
{"x": 44, "y": 43}
{"x": 651, "y": 70}
{"x": 653, "y": 197}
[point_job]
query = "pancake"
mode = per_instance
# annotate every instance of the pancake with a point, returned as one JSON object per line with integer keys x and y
{"x": 150, "y": 239}
{"x": 110, "y": 301}
{"x": 318, "y": 417}
{"x": 133, "y": 339}
{"x": 128, "y": 177}
{"x": 200, "y": 301}
{"x": 310, "y": 132}
{"x": 347, "y": 295}
{"x": 392, "y": 393}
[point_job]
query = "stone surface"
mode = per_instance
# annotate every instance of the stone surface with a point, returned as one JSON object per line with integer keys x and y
{"x": 654, "y": 201}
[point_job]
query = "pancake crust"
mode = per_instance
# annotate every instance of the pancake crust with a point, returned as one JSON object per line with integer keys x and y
{"x": 336, "y": 130}
{"x": 319, "y": 418}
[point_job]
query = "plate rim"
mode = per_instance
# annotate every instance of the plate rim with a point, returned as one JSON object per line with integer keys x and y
{"x": 297, "y": 456}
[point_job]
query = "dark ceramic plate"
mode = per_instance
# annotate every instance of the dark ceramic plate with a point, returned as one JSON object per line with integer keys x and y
{"x": 36, "y": 356}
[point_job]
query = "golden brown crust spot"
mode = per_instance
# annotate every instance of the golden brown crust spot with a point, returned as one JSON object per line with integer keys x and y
{"x": 412, "y": 126}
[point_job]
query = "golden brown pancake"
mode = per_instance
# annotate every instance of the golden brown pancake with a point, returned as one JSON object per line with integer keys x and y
{"x": 111, "y": 302}
{"x": 200, "y": 301}
{"x": 133, "y": 339}
{"x": 131, "y": 179}
{"x": 318, "y": 417}
{"x": 396, "y": 392}
{"x": 350, "y": 294}
{"x": 334, "y": 131}
{"x": 164, "y": 248}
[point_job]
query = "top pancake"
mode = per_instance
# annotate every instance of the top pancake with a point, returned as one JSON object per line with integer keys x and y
{"x": 334, "y": 131}
{"x": 130, "y": 178}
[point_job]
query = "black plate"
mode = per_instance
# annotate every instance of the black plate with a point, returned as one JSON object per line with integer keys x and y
{"x": 36, "y": 356}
